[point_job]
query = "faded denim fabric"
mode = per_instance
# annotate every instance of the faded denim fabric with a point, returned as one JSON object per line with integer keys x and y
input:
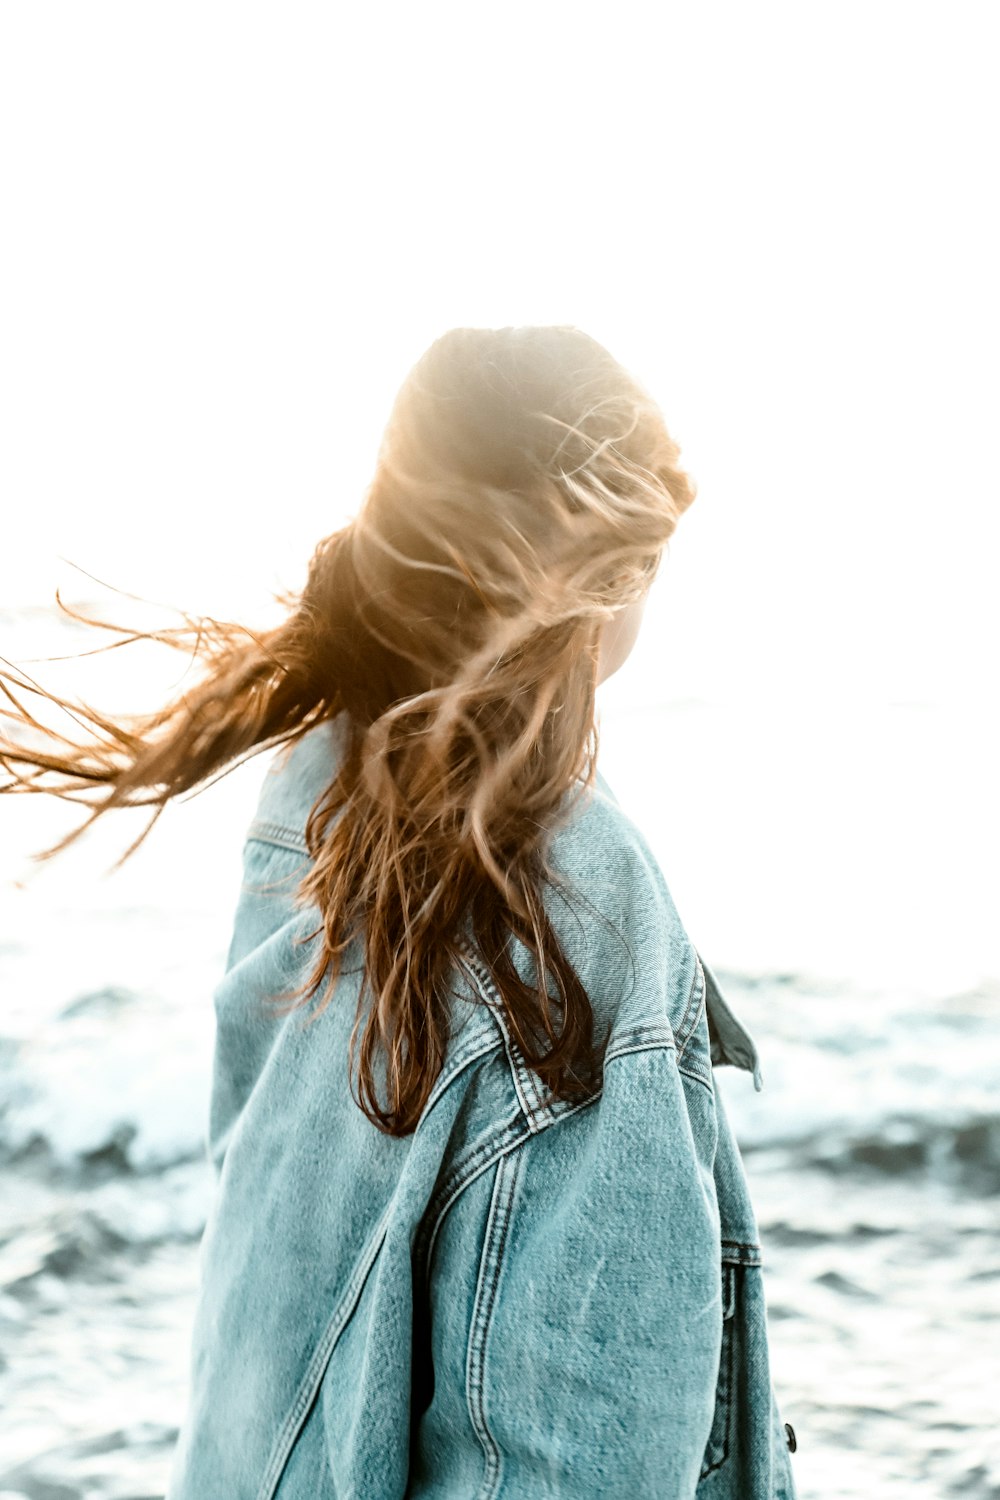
{"x": 521, "y": 1299}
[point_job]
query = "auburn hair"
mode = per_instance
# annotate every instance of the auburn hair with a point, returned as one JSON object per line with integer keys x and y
{"x": 524, "y": 490}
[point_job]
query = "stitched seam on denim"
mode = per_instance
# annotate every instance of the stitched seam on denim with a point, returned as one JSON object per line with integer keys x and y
{"x": 525, "y": 1082}
{"x": 474, "y": 1049}
{"x": 734, "y": 1253}
{"x": 277, "y": 833}
{"x": 651, "y": 1035}
{"x": 723, "y": 1415}
{"x": 280, "y": 885}
{"x": 438, "y": 1210}
{"x": 497, "y": 1227}
{"x": 465, "y": 1171}
{"x": 695, "y": 1002}
{"x": 643, "y": 1029}
{"x": 729, "y": 1302}
{"x": 695, "y": 1077}
{"x": 698, "y": 1077}
{"x": 310, "y": 1382}
{"x": 654, "y": 1044}
{"x": 730, "y": 1361}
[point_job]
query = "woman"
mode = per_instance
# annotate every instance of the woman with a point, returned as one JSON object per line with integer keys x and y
{"x": 480, "y": 1228}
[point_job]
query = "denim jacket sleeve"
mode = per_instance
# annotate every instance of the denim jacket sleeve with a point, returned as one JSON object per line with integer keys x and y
{"x": 594, "y": 1343}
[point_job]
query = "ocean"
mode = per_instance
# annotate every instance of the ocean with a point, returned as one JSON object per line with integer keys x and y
{"x": 834, "y": 864}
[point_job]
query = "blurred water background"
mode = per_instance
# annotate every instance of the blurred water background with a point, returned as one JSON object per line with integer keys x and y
{"x": 228, "y": 233}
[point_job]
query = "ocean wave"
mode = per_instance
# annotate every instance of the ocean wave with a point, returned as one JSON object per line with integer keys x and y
{"x": 118, "y": 1082}
{"x": 97, "y": 1233}
{"x": 965, "y": 1151}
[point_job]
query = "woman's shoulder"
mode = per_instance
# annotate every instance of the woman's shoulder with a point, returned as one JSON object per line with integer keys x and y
{"x": 602, "y": 847}
{"x": 297, "y": 774}
{"x": 616, "y": 918}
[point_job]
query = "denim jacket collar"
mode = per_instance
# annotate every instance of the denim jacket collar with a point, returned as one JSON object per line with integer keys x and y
{"x": 730, "y": 1040}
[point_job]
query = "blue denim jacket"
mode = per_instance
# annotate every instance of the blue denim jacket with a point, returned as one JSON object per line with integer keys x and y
{"x": 521, "y": 1299}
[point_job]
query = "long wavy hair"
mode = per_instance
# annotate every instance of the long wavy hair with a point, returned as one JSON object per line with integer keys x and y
{"x": 525, "y": 488}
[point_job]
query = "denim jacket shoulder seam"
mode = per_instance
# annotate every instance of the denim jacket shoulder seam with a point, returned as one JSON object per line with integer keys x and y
{"x": 539, "y": 1112}
{"x": 525, "y": 1081}
{"x": 469, "y": 1165}
{"x": 650, "y": 1037}
{"x": 264, "y": 831}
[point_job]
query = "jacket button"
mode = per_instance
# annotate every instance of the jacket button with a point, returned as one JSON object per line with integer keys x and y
{"x": 790, "y": 1437}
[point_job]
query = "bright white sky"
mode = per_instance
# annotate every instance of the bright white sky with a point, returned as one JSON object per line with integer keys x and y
{"x": 229, "y": 230}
